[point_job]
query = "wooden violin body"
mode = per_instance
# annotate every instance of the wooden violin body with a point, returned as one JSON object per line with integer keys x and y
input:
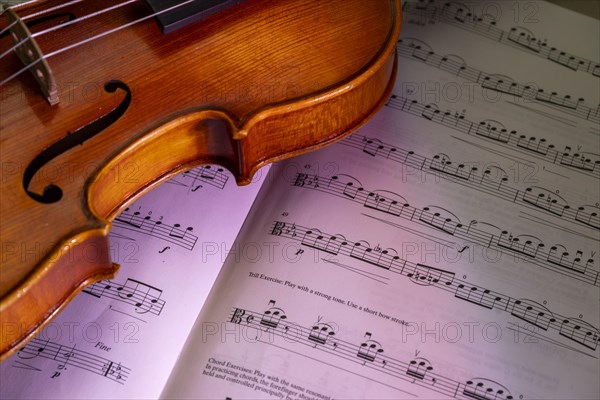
{"x": 259, "y": 82}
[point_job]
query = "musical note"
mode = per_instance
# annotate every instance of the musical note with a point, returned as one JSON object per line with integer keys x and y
{"x": 34, "y": 351}
{"x": 272, "y": 316}
{"x": 421, "y": 50}
{"x": 502, "y": 84}
{"x": 373, "y": 146}
{"x": 589, "y": 215}
{"x": 524, "y": 37}
{"x": 442, "y": 163}
{"x": 179, "y": 233}
{"x": 522, "y": 244}
{"x": 209, "y": 174}
{"x": 429, "y": 111}
{"x": 369, "y": 349}
{"x": 492, "y": 181}
{"x": 558, "y": 255}
{"x": 496, "y": 132}
{"x": 74, "y": 357}
{"x": 581, "y": 160}
{"x": 418, "y": 368}
{"x": 133, "y": 219}
{"x": 580, "y": 332}
{"x": 143, "y": 297}
{"x": 421, "y": 274}
{"x": 546, "y": 200}
{"x": 485, "y": 389}
{"x": 480, "y": 296}
{"x": 320, "y": 333}
{"x": 156, "y": 228}
{"x": 444, "y": 220}
{"x": 329, "y": 244}
{"x": 64, "y": 356}
{"x": 368, "y": 353}
{"x": 411, "y": 48}
{"x": 532, "y": 312}
{"x": 390, "y": 203}
{"x": 458, "y": 15}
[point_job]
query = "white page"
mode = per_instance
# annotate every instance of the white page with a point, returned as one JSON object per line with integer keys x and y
{"x": 106, "y": 345}
{"x": 395, "y": 271}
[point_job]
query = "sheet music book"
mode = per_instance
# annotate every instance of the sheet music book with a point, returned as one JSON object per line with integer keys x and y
{"x": 448, "y": 249}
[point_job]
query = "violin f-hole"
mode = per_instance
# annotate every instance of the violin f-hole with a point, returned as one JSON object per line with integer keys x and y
{"x": 53, "y": 193}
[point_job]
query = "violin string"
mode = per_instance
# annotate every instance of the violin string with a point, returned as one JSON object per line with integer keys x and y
{"x": 68, "y": 23}
{"x": 7, "y": 28}
{"x": 44, "y": 11}
{"x": 72, "y": 46}
{"x": 83, "y": 18}
{"x": 49, "y": 10}
{"x": 5, "y": 5}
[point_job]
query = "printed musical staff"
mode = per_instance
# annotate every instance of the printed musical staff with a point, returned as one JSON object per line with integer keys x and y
{"x": 495, "y": 132}
{"x": 417, "y": 50}
{"x": 69, "y": 355}
{"x": 371, "y": 355}
{"x": 492, "y": 181}
{"x": 143, "y": 297}
{"x": 524, "y": 246}
{"x": 575, "y": 330}
{"x": 193, "y": 179}
{"x": 459, "y": 15}
{"x": 175, "y": 234}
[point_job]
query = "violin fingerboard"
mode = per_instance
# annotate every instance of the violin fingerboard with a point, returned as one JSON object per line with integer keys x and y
{"x": 182, "y": 13}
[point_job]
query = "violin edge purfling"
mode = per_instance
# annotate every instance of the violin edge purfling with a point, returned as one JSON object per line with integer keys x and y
{"x": 163, "y": 142}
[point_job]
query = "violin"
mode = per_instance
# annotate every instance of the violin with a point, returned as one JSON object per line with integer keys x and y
{"x": 101, "y": 101}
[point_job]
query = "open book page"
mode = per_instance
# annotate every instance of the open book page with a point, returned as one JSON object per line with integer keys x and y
{"x": 120, "y": 338}
{"x": 446, "y": 250}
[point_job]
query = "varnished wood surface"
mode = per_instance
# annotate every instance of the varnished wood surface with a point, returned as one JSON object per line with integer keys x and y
{"x": 262, "y": 81}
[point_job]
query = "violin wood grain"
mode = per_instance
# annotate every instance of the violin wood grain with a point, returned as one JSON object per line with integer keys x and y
{"x": 259, "y": 82}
